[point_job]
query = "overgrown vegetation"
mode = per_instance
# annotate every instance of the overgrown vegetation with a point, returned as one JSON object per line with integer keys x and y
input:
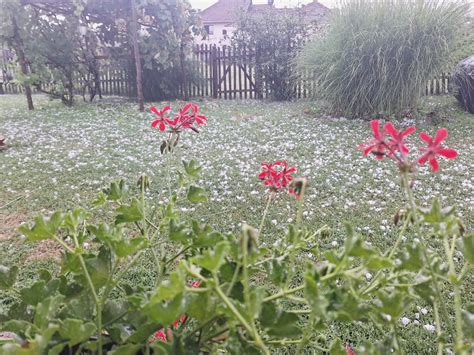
{"x": 378, "y": 55}
{"x": 275, "y": 37}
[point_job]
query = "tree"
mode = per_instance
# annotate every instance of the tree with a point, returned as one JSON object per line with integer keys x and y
{"x": 11, "y": 32}
{"x": 275, "y": 36}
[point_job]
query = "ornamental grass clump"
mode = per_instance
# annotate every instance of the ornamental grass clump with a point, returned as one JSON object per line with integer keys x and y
{"x": 378, "y": 55}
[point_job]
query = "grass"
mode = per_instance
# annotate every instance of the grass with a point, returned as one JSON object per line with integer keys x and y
{"x": 60, "y": 157}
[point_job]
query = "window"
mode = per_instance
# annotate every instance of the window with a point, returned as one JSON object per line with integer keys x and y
{"x": 209, "y": 30}
{"x": 224, "y": 32}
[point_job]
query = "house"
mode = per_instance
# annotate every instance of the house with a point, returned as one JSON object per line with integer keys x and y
{"x": 219, "y": 20}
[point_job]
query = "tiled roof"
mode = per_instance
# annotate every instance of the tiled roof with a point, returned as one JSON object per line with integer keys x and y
{"x": 224, "y": 11}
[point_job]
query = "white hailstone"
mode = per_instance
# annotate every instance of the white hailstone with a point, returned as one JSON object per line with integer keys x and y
{"x": 86, "y": 245}
{"x": 274, "y": 222}
{"x": 417, "y": 315}
{"x": 429, "y": 327}
{"x": 404, "y": 238}
{"x": 405, "y": 320}
{"x": 416, "y": 322}
{"x": 255, "y": 192}
{"x": 305, "y": 213}
{"x": 368, "y": 276}
{"x": 424, "y": 310}
{"x": 334, "y": 243}
{"x": 290, "y": 220}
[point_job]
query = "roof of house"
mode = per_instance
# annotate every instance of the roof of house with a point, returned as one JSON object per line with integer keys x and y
{"x": 224, "y": 11}
{"x": 227, "y": 11}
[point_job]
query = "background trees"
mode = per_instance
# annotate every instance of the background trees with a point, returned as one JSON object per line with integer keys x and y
{"x": 56, "y": 40}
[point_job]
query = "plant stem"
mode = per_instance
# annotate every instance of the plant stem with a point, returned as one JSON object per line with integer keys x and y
{"x": 438, "y": 327}
{"x": 265, "y": 212}
{"x": 94, "y": 294}
{"x": 283, "y": 293}
{"x": 457, "y": 294}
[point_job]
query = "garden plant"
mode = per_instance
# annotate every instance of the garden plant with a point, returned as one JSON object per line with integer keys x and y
{"x": 227, "y": 292}
{"x": 377, "y": 56}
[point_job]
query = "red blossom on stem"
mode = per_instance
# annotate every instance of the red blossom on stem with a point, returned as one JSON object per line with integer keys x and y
{"x": 377, "y": 145}
{"x": 162, "y": 119}
{"x": 349, "y": 350}
{"x": 435, "y": 148}
{"x": 277, "y": 176}
{"x": 396, "y": 141}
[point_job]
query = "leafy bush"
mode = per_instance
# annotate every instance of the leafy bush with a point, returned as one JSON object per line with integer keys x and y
{"x": 378, "y": 55}
{"x": 215, "y": 292}
{"x": 275, "y": 37}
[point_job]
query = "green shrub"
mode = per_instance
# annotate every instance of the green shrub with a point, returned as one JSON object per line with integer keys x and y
{"x": 378, "y": 55}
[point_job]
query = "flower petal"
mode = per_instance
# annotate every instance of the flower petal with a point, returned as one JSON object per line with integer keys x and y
{"x": 434, "y": 164}
{"x": 447, "y": 153}
{"x": 408, "y": 131}
{"x": 390, "y": 129}
{"x": 425, "y": 137}
{"x": 440, "y": 135}
{"x": 375, "y": 128}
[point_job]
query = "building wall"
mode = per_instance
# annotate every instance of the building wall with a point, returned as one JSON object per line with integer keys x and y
{"x": 217, "y": 37}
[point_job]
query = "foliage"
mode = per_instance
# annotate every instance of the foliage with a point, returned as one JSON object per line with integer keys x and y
{"x": 378, "y": 55}
{"x": 275, "y": 37}
{"x": 219, "y": 292}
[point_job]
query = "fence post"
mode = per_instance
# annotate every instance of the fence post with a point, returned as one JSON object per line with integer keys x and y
{"x": 215, "y": 79}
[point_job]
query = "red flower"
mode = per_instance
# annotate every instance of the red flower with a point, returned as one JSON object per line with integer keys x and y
{"x": 183, "y": 117}
{"x": 435, "y": 148}
{"x": 396, "y": 143}
{"x": 161, "y": 336}
{"x": 162, "y": 119}
{"x": 199, "y": 119}
{"x": 376, "y": 145}
{"x": 285, "y": 176}
{"x": 349, "y": 350}
{"x": 276, "y": 178}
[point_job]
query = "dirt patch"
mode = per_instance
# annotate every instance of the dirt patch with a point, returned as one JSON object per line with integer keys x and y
{"x": 9, "y": 223}
{"x": 45, "y": 249}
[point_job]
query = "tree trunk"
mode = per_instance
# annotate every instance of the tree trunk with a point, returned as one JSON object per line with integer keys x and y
{"x": 136, "y": 53}
{"x": 20, "y": 52}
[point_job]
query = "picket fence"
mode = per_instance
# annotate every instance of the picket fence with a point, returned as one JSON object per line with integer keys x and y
{"x": 222, "y": 72}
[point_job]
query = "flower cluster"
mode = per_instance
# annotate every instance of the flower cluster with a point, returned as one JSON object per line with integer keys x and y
{"x": 389, "y": 142}
{"x": 187, "y": 117}
{"x": 277, "y": 176}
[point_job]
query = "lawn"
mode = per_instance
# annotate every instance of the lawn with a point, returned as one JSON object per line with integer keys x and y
{"x": 59, "y": 157}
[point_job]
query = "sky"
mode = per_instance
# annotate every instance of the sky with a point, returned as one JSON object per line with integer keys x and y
{"x": 202, "y": 4}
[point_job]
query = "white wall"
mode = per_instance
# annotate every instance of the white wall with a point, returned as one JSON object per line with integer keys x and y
{"x": 217, "y": 36}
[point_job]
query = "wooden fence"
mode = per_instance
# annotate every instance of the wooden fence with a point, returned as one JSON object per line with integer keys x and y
{"x": 112, "y": 82}
{"x": 219, "y": 72}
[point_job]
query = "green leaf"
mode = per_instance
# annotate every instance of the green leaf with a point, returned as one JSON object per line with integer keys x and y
{"x": 411, "y": 258}
{"x": 99, "y": 268}
{"x": 113, "y": 310}
{"x": 73, "y": 219}
{"x": 377, "y": 262}
{"x": 468, "y": 321}
{"x": 317, "y": 301}
{"x": 212, "y": 259}
{"x": 76, "y": 331}
{"x": 131, "y": 213}
{"x": 47, "y": 310}
{"x": 117, "y": 191}
{"x": 39, "y": 291}
{"x": 196, "y": 194}
{"x": 166, "y": 313}
{"x": 179, "y": 232}
{"x": 468, "y": 248}
{"x": 424, "y": 288}
{"x": 278, "y": 322}
{"x": 129, "y": 349}
{"x": 100, "y": 200}
{"x": 8, "y": 276}
{"x": 192, "y": 168}
{"x": 43, "y": 228}
{"x": 170, "y": 288}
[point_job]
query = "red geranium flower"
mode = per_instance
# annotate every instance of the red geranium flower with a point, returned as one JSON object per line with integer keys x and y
{"x": 349, "y": 350}
{"x": 396, "y": 143}
{"x": 376, "y": 145}
{"x": 285, "y": 176}
{"x": 199, "y": 119}
{"x": 183, "y": 117}
{"x": 162, "y": 119}
{"x": 277, "y": 175}
{"x": 435, "y": 148}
